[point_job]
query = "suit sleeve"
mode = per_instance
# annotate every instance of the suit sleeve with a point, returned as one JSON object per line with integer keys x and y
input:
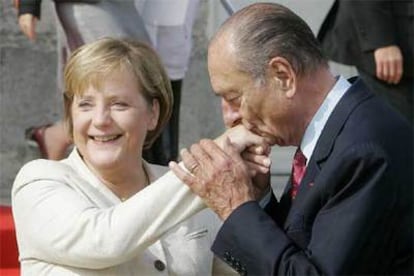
{"x": 253, "y": 244}
{"x": 356, "y": 220}
{"x": 374, "y": 23}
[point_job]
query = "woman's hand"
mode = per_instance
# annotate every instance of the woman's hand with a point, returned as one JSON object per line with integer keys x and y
{"x": 241, "y": 138}
{"x": 254, "y": 150}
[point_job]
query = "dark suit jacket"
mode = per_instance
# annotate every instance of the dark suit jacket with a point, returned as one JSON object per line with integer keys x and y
{"x": 353, "y": 29}
{"x": 353, "y": 214}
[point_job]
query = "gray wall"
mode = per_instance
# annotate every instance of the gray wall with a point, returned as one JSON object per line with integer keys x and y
{"x": 27, "y": 89}
{"x": 28, "y": 94}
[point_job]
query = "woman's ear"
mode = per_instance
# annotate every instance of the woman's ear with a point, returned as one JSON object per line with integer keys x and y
{"x": 155, "y": 114}
{"x": 283, "y": 74}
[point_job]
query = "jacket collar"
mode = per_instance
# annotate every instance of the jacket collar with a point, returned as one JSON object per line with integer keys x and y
{"x": 356, "y": 94}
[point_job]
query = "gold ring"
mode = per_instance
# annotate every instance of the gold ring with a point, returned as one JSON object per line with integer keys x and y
{"x": 193, "y": 168}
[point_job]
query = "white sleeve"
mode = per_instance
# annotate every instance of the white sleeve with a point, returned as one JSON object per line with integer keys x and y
{"x": 55, "y": 223}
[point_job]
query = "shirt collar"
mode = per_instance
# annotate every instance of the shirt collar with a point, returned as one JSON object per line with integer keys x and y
{"x": 318, "y": 122}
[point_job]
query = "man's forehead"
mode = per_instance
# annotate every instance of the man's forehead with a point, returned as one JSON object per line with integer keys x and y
{"x": 220, "y": 70}
{"x": 225, "y": 76}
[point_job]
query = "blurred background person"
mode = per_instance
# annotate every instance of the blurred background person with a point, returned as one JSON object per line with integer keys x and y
{"x": 377, "y": 38}
{"x": 169, "y": 25}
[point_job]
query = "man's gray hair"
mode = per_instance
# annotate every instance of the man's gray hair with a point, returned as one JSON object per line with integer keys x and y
{"x": 262, "y": 31}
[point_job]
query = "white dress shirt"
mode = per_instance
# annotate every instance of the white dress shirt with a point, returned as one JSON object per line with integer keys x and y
{"x": 318, "y": 122}
{"x": 169, "y": 24}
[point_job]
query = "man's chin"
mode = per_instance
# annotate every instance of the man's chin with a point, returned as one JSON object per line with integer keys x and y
{"x": 272, "y": 142}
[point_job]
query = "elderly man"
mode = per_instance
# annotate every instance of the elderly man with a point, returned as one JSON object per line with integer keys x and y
{"x": 347, "y": 208}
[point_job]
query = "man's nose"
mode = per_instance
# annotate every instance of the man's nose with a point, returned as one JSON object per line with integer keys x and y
{"x": 231, "y": 114}
{"x": 247, "y": 125}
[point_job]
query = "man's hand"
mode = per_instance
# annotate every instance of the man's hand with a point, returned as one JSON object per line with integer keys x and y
{"x": 259, "y": 168}
{"x": 256, "y": 157}
{"x": 220, "y": 177}
{"x": 27, "y": 23}
{"x": 389, "y": 64}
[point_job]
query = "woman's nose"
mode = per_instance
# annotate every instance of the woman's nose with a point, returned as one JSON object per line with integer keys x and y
{"x": 102, "y": 116}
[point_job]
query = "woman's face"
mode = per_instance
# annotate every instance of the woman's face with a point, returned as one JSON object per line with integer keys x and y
{"x": 110, "y": 123}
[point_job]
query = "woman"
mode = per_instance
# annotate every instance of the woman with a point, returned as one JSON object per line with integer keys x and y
{"x": 78, "y": 22}
{"x": 95, "y": 213}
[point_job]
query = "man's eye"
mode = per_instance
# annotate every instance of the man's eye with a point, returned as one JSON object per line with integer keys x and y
{"x": 234, "y": 100}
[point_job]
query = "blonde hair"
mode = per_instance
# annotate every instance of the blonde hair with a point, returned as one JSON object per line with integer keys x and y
{"x": 92, "y": 62}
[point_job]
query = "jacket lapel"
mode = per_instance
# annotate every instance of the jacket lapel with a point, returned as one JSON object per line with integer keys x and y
{"x": 356, "y": 94}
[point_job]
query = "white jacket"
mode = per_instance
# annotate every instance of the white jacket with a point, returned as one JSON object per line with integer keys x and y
{"x": 69, "y": 223}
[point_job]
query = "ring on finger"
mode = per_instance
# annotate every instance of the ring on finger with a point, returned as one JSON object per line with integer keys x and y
{"x": 193, "y": 167}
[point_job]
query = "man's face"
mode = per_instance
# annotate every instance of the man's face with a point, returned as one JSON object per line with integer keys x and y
{"x": 259, "y": 105}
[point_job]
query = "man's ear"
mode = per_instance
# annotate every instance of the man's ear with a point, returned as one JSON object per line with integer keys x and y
{"x": 283, "y": 74}
{"x": 155, "y": 114}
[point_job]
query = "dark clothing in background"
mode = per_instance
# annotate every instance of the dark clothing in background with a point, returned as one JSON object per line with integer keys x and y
{"x": 165, "y": 147}
{"x": 354, "y": 29}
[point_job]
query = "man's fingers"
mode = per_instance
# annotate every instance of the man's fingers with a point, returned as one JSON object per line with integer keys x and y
{"x": 232, "y": 156}
{"x": 224, "y": 158}
{"x": 199, "y": 153}
{"x": 261, "y": 163}
{"x": 188, "y": 160}
{"x": 255, "y": 169}
{"x": 183, "y": 175}
{"x": 215, "y": 153}
{"x": 263, "y": 149}
{"x": 258, "y": 143}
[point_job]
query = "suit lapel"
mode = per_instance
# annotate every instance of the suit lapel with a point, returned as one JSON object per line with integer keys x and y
{"x": 356, "y": 94}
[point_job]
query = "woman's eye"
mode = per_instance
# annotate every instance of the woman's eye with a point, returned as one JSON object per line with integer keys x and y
{"x": 84, "y": 104}
{"x": 120, "y": 105}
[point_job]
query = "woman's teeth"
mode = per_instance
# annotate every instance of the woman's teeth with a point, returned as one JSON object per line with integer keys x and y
{"x": 105, "y": 138}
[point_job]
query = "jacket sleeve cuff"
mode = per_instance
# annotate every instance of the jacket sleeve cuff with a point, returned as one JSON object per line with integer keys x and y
{"x": 250, "y": 241}
{"x": 29, "y": 6}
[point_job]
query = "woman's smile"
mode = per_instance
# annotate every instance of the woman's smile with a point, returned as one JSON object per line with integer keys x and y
{"x": 105, "y": 138}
